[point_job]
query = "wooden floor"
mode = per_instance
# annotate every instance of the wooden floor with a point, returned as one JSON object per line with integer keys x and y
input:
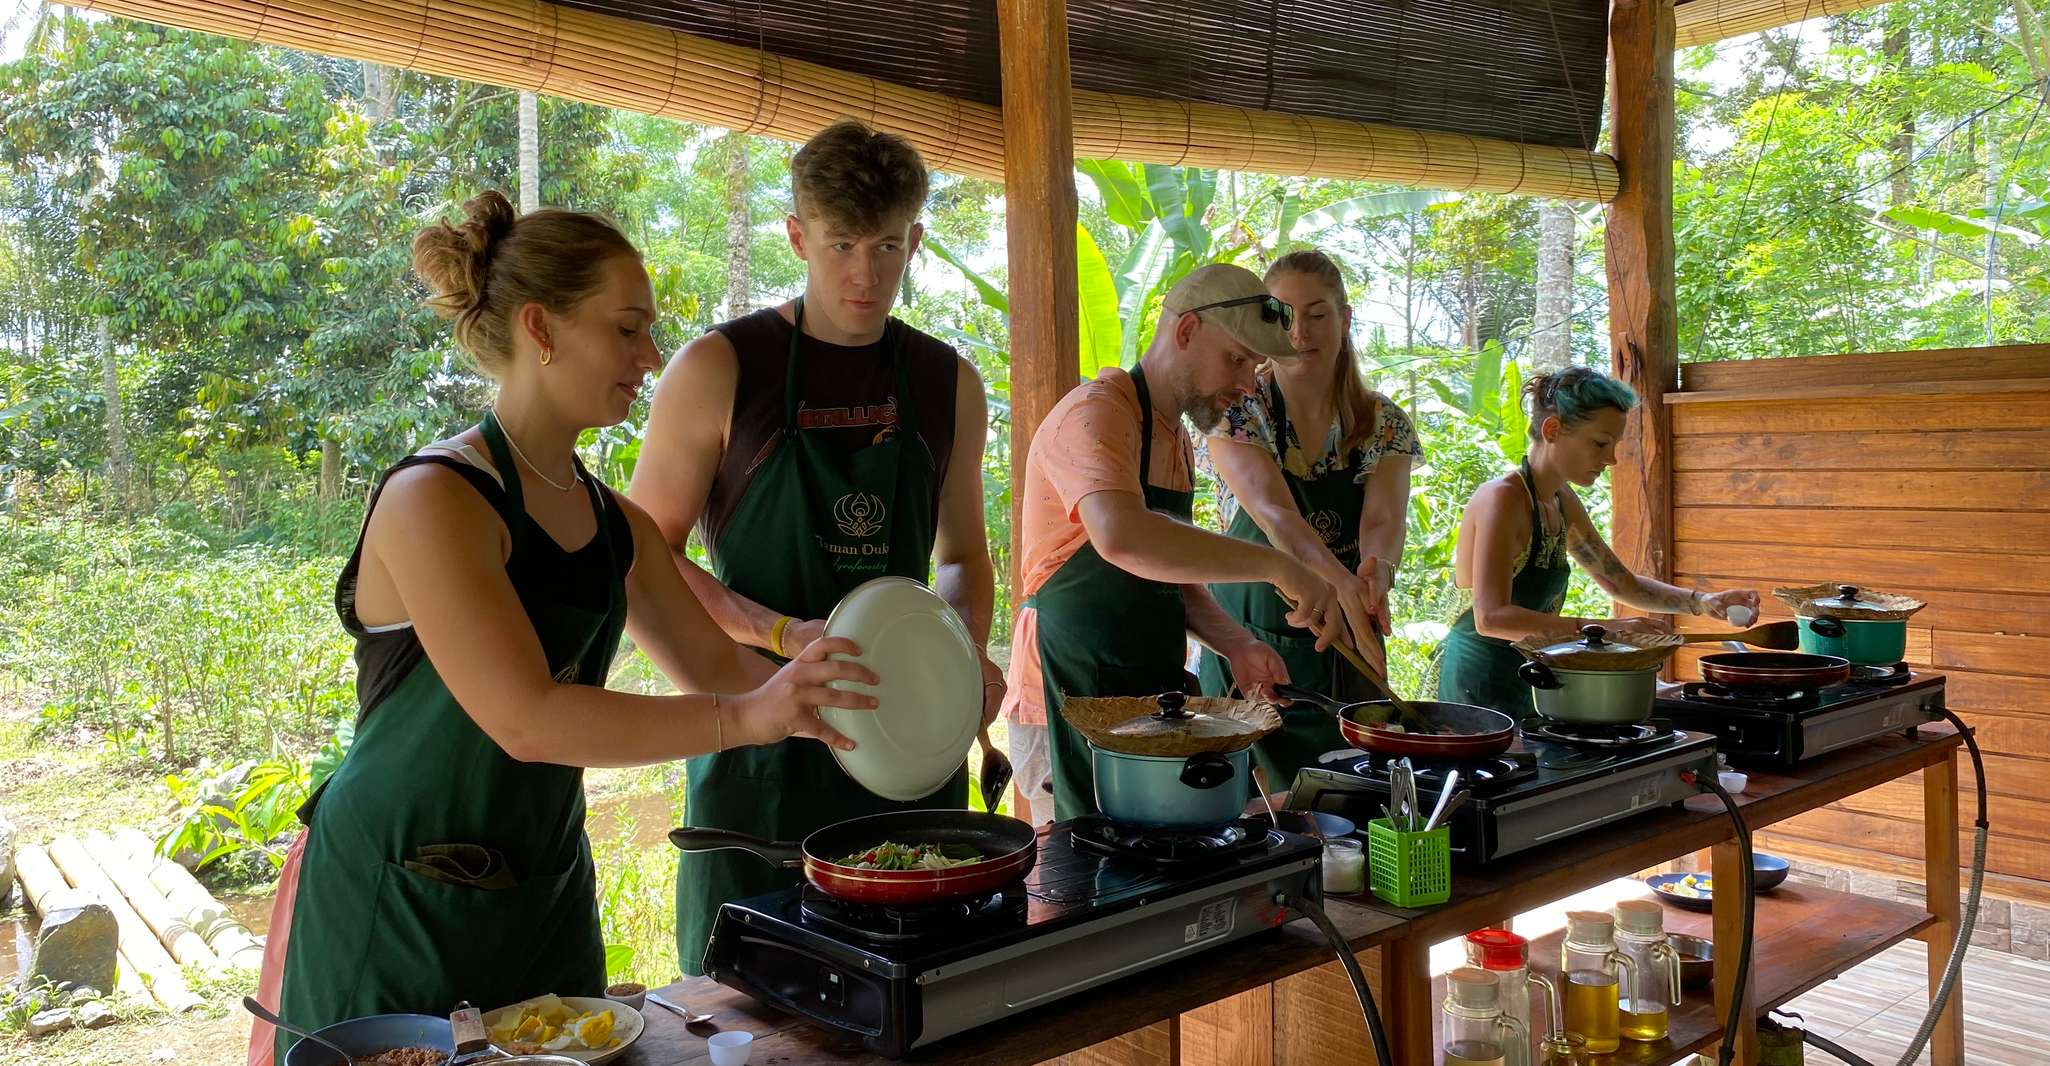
{"x": 1873, "y": 1010}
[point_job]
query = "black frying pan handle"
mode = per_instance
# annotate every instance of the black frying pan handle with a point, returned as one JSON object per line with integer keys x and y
{"x": 1828, "y": 627}
{"x": 1206, "y": 769}
{"x": 780, "y": 852}
{"x": 1295, "y": 693}
{"x": 1538, "y": 675}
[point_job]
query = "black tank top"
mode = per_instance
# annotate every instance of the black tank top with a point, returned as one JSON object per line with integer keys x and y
{"x": 845, "y": 394}
{"x": 384, "y": 656}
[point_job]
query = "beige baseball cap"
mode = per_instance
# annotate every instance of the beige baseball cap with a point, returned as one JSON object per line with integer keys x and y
{"x": 1236, "y": 299}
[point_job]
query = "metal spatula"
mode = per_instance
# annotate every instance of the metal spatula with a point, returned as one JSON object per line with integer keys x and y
{"x": 996, "y": 771}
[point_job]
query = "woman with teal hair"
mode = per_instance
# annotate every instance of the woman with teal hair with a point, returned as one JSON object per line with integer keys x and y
{"x": 1518, "y": 530}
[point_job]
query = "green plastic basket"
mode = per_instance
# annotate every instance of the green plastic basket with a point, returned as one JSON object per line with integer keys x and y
{"x": 1409, "y": 869}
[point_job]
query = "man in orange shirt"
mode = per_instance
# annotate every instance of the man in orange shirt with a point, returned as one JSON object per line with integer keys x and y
{"x": 1114, "y": 571}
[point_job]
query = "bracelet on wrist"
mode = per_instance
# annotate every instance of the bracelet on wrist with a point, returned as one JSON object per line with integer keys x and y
{"x": 776, "y": 636}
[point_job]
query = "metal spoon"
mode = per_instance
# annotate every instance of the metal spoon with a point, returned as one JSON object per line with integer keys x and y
{"x": 687, "y": 1016}
{"x": 1260, "y": 780}
{"x": 250, "y": 1004}
{"x": 1440, "y": 817}
{"x": 1444, "y": 794}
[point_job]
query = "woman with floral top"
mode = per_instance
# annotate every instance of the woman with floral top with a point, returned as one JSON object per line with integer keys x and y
{"x": 1317, "y": 464}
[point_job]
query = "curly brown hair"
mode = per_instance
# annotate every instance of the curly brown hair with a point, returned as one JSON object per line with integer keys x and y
{"x": 495, "y": 261}
{"x": 857, "y": 179}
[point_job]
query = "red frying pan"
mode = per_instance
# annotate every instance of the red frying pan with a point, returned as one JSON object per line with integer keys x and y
{"x": 1008, "y": 845}
{"x": 1463, "y": 731}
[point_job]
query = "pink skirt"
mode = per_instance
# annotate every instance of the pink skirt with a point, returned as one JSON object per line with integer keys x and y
{"x": 263, "y": 1037}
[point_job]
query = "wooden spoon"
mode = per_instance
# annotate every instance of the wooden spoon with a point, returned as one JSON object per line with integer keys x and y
{"x": 1778, "y": 636}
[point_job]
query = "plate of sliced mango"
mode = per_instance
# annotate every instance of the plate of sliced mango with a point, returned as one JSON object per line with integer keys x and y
{"x": 582, "y": 1027}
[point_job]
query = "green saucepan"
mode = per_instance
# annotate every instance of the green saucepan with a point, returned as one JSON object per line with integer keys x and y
{"x": 1865, "y": 642}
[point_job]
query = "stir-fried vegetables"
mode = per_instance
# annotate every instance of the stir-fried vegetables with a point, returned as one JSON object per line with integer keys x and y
{"x": 890, "y": 855}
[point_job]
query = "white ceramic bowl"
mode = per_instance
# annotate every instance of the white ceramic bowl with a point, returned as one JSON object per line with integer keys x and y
{"x": 1732, "y": 781}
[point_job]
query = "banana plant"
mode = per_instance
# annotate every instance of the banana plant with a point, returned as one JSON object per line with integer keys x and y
{"x": 1169, "y": 211}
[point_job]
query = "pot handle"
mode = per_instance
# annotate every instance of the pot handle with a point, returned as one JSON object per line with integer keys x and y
{"x": 1206, "y": 769}
{"x": 1832, "y": 628}
{"x": 779, "y": 852}
{"x": 1538, "y": 675}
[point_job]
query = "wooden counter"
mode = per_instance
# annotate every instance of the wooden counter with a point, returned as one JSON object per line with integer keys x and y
{"x": 1279, "y": 998}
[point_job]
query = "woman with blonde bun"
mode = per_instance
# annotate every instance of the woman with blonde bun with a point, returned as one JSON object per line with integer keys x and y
{"x": 446, "y": 859}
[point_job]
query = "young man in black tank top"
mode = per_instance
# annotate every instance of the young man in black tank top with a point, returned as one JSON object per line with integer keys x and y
{"x": 814, "y": 446}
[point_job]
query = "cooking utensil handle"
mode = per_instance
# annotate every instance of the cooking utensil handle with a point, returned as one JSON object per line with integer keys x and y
{"x": 781, "y": 852}
{"x": 1828, "y": 627}
{"x": 1206, "y": 770}
{"x": 1296, "y": 692}
{"x": 1538, "y": 675}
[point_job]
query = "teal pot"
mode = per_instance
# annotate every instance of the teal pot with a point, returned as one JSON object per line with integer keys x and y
{"x": 1171, "y": 791}
{"x": 1880, "y": 642}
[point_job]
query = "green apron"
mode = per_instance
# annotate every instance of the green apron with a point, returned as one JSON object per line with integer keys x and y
{"x": 438, "y": 868}
{"x": 815, "y": 522}
{"x": 1332, "y": 505}
{"x": 1480, "y": 670}
{"x": 1106, "y": 632}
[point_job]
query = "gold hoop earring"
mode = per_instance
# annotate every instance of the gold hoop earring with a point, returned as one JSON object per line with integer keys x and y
{"x": 547, "y": 354}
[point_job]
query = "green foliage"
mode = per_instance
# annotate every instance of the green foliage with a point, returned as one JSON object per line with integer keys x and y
{"x": 252, "y": 820}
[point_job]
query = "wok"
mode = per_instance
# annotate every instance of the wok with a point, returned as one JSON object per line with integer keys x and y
{"x": 1774, "y": 671}
{"x": 1008, "y": 845}
{"x": 1467, "y": 731}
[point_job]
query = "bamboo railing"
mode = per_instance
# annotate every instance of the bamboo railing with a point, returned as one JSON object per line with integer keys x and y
{"x": 541, "y": 47}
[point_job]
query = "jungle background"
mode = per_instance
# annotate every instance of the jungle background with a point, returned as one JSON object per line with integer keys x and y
{"x": 210, "y": 347}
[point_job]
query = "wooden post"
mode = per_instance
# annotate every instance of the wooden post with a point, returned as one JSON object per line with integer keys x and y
{"x": 1939, "y": 859}
{"x": 1643, "y": 321}
{"x": 1405, "y": 999}
{"x": 1039, "y": 220}
{"x": 1727, "y": 869}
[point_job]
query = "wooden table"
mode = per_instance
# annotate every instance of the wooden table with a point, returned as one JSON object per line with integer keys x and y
{"x": 1278, "y": 998}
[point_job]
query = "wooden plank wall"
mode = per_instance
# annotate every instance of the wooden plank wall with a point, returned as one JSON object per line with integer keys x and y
{"x": 1926, "y": 473}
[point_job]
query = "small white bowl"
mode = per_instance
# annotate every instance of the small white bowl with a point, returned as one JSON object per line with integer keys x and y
{"x": 1741, "y": 616}
{"x": 628, "y": 994}
{"x": 731, "y": 1048}
{"x": 1732, "y": 781}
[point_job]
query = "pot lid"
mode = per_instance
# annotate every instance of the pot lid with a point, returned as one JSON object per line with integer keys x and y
{"x": 1833, "y": 600}
{"x": 1599, "y": 648}
{"x": 1170, "y": 724}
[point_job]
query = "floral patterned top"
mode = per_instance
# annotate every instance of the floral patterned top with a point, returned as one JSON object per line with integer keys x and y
{"x": 1250, "y": 422}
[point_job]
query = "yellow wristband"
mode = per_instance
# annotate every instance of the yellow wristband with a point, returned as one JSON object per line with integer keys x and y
{"x": 776, "y": 636}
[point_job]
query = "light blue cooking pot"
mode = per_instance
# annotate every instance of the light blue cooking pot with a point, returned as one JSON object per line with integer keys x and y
{"x": 1172, "y": 792}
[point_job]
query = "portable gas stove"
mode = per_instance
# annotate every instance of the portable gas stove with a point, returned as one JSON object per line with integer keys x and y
{"x": 1551, "y": 784}
{"x": 1103, "y": 901}
{"x": 1775, "y": 731}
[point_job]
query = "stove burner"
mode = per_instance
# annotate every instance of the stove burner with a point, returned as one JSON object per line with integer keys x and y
{"x": 1760, "y": 698}
{"x": 882, "y": 922}
{"x": 1172, "y": 847}
{"x": 1613, "y": 737}
{"x": 1484, "y": 776}
{"x": 1897, "y": 674}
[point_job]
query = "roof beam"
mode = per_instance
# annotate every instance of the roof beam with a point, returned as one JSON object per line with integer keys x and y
{"x": 599, "y": 59}
{"x": 1707, "y": 21}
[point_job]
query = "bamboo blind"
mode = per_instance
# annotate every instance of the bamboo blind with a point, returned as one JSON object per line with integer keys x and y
{"x": 1528, "y": 71}
{"x": 1707, "y": 21}
{"x": 542, "y": 47}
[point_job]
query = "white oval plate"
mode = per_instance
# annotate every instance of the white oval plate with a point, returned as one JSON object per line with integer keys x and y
{"x": 930, "y": 700}
{"x": 627, "y": 1024}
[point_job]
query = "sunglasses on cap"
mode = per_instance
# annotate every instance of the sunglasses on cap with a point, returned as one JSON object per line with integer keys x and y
{"x": 1272, "y": 309}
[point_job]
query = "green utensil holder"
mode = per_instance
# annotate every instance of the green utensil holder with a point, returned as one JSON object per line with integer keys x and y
{"x": 1409, "y": 869}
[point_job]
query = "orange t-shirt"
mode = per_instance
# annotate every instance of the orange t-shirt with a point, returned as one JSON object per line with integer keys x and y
{"x": 1089, "y": 443}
